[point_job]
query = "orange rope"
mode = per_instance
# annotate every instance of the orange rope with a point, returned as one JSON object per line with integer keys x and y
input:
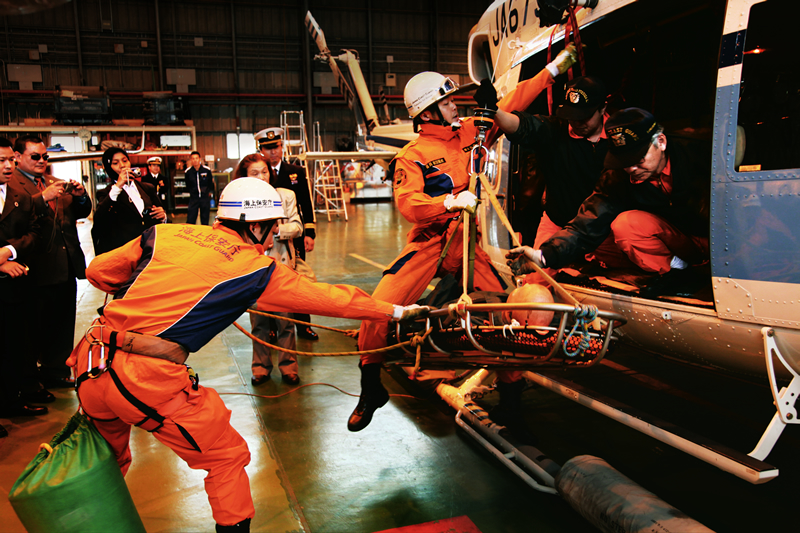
{"x": 415, "y": 339}
{"x": 262, "y": 313}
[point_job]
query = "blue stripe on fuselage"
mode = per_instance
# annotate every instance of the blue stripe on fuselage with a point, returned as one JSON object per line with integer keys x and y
{"x": 435, "y": 184}
{"x": 218, "y": 309}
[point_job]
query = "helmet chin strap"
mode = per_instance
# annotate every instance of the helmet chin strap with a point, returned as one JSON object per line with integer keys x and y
{"x": 262, "y": 240}
{"x": 434, "y": 109}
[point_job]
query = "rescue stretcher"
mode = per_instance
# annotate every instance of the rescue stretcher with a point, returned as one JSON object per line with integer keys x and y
{"x": 465, "y": 335}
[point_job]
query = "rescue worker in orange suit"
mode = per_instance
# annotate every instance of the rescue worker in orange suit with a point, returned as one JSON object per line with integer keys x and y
{"x": 176, "y": 287}
{"x": 431, "y": 178}
{"x": 652, "y": 202}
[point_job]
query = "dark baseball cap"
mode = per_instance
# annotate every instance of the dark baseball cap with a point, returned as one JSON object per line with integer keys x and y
{"x": 629, "y": 132}
{"x": 583, "y": 97}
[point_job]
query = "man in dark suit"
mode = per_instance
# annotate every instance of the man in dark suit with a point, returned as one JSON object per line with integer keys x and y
{"x": 58, "y": 261}
{"x": 19, "y": 236}
{"x": 292, "y": 177}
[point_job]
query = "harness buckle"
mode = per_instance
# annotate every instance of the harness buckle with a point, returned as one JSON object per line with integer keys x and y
{"x": 194, "y": 377}
{"x": 96, "y": 344}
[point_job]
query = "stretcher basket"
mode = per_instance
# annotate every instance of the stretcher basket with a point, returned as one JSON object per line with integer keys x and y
{"x": 473, "y": 335}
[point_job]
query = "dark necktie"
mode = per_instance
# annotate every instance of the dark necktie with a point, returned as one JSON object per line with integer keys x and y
{"x": 40, "y": 185}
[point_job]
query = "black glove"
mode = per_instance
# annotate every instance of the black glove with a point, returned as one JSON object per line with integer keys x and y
{"x": 486, "y": 95}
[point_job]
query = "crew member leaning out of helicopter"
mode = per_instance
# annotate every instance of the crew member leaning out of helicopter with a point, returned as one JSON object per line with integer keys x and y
{"x": 570, "y": 147}
{"x": 431, "y": 177}
{"x": 652, "y": 200}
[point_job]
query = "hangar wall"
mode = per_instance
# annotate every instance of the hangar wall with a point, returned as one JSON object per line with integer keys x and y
{"x": 249, "y": 57}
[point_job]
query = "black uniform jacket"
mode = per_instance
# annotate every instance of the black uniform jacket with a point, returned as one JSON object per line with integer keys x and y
{"x": 19, "y": 227}
{"x": 293, "y": 177}
{"x": 571, "y": 166}
{"x": 199, "y": 183}
{"x": 686, "y": 208}
{"x": 60, "y": 247}
{"x": 116, "y": 223}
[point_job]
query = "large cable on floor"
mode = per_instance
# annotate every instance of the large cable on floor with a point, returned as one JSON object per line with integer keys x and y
{"x": 615, "y": 504}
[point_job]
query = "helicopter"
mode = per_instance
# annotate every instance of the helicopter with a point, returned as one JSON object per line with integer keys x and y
{"x": 712, "y": 70}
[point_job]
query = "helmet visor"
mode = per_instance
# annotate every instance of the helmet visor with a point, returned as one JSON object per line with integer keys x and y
{"x": 448, "y": 86}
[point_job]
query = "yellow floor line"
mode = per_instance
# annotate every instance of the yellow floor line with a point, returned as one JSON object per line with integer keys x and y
{"x": 377, "y": 265}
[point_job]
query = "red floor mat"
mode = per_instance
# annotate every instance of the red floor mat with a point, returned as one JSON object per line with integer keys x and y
{"x": 460, "y": 524}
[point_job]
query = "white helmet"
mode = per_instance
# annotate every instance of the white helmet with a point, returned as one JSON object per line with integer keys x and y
{"x": 249, "y": 200}
{"x": 425, "y": 89}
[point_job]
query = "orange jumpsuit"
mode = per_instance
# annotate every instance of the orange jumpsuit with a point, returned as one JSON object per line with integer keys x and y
{"x": 426, "y": 170}
{"x": 186, "y": 283}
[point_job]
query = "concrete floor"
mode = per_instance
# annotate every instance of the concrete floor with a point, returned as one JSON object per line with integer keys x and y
{"x": 308, "y": 473}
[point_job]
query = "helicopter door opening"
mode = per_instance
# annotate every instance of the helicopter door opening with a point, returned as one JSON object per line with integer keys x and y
{"x": 656, "y": 56}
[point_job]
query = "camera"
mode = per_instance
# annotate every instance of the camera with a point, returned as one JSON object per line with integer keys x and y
{"x": 69, "y": 187}
{"x": 136, "y": 171}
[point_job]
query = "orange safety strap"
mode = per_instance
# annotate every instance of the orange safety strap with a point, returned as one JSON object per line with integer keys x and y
{"x": 571, "y": 34}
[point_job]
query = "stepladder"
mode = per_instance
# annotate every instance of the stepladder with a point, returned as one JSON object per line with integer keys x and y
{"x": 328, "y": 190}
{"x": 295, "y": 139}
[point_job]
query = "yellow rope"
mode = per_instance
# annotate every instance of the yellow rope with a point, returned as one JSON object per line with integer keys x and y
{"x": 417, "y": 341}
{"x": 415, "y": 338}
{"x": 276, "y": 396}
{"x": 262, "y": 313}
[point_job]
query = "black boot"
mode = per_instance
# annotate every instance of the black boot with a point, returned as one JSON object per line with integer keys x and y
{"x": 241, "y": 527}
{"x": 508, "y": 411}
{"x": 373, "y": 396}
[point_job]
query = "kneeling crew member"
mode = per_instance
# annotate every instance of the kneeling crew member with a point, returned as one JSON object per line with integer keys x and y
{"x": 652, "y": 201}
{"x": 176, "y": 287}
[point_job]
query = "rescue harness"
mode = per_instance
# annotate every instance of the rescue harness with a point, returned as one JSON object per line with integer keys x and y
{"x": 138, "y": 344}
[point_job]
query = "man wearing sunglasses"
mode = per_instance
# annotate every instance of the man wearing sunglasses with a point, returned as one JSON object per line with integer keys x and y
{"x": 19, "y": 236}
{"x": 57, "y": 262}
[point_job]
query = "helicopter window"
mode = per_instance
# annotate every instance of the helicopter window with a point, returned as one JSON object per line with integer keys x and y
{"x": 769, "y": 97}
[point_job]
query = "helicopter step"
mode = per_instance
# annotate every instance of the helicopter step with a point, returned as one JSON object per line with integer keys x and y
{"x": 604, "y": 496}
{"x": 727, "y": 459}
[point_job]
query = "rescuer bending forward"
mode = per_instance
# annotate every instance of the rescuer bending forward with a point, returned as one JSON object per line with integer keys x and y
{"x": 174, "y": 289}
{"x": 431, "y": 178}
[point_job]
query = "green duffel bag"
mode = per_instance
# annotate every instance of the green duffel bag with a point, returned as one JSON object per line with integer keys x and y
{"x": 74, "y": 484}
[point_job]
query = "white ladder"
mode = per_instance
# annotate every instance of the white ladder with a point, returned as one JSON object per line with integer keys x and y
{"x": 328, "y": 191}
{"x": 294, "y": 136}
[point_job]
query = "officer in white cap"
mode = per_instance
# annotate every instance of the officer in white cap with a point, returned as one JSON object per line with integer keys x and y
{"x": 292, "y": 177}
{"x": 156, "y": 178}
